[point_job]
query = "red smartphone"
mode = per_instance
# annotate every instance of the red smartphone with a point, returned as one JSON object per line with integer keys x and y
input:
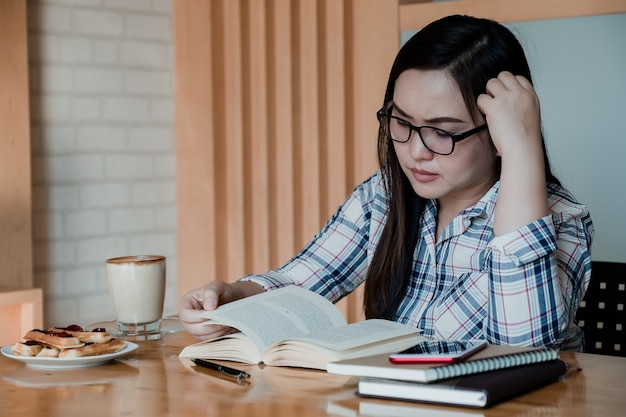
{"x": 443, "y": 351}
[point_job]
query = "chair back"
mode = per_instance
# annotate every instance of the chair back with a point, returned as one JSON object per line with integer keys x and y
{"x": 601, "y": 314}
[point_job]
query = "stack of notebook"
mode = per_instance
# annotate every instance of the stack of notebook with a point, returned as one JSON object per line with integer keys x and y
{"x": 490, "y": 376}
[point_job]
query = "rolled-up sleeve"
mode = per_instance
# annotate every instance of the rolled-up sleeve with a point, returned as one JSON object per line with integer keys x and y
{"x": 537, "y": 277}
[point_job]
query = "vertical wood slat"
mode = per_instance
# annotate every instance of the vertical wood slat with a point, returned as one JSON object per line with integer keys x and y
{"x": 280, "y": 95}
{"x": 274, "y": 126}
{"x": 256, "y": 138}
{"x": 306, "y": 117}
{"x": 15, "y": 178}
{"x": 230, "y": 140}
{"x": 194, "y": 115}
{"x": 332, "y": 92}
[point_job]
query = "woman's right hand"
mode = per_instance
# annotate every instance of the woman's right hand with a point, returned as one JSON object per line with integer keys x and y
{"x": 209, "y": 297}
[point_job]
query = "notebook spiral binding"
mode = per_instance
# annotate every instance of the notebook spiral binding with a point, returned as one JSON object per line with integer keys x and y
{"x": 494, "y": 363}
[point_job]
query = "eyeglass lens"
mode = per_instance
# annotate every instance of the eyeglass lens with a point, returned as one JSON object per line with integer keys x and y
{"x": 436, "y": 140}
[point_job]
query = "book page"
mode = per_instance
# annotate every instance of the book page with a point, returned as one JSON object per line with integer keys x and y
{"x": 352, "y": 340}
{"x": 360, "y": 334}
{"x": 280, "y": 314}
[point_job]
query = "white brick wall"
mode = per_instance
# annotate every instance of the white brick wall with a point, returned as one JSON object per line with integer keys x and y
{"x": 103, "y": 150}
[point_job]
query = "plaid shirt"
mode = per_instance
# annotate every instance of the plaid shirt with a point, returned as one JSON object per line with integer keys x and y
{"x": 521, "y": 288}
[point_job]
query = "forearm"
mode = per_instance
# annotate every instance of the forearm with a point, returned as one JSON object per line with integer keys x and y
{"x": 328, "y": 279}
{"x": 511, "y": 108}
{"x": 522, "y": 197}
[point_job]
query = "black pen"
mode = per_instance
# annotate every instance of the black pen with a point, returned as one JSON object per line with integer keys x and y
{"x": 235, "y": 373}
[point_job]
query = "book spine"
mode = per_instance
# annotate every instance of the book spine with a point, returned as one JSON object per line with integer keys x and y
{"x": 494, "y": 363}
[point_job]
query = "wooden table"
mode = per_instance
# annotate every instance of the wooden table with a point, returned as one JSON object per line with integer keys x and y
{"x": 152, "y": 381}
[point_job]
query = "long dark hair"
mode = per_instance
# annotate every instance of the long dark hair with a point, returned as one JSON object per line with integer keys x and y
{"x": 471, "y": 51}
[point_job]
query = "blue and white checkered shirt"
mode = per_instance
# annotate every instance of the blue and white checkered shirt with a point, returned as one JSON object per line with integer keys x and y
{"x": 521, "y": 288}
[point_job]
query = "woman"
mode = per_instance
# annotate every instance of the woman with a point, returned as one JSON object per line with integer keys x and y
{"x": 464, "y": 231}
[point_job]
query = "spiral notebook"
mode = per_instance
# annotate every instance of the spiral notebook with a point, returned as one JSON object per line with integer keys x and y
{"x": 478, "y": 390}
{"x": 492, "y": 358}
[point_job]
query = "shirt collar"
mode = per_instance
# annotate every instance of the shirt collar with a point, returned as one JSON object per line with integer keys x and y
{"x": 485, "y": 205}
{"x": 481, "y": 211}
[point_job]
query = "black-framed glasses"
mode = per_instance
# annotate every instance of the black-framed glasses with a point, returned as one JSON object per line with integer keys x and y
{"x": 436, "y": 140}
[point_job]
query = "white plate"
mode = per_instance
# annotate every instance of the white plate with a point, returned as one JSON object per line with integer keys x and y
{"x": 67, "y": 363}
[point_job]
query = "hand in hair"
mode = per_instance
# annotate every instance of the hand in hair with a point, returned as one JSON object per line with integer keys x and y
{"x": 511, "y": 107}
{"x": 513, "y": 116}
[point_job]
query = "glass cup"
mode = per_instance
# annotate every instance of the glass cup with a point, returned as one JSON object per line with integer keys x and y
{"x": 137, "y": 290}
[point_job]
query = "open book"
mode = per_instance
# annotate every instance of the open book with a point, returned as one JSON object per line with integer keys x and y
{"x": 292, "y": 326}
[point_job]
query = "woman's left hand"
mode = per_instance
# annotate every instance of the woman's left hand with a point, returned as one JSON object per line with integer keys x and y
{"x": 511, "y": 107}
{"x": 512, "y": 110}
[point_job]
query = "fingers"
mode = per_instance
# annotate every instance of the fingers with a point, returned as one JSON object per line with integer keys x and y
{"x": 511, "y": 108}
{"x": 200, "y": 299}
{"x": 201, "y": 331}
{"x": 507, "y": 82}
{"x": 211, "y": 297}
{"x": 514, "y": 91}
{"x": 523, "y": 81}
{"x": 193, "y": 304}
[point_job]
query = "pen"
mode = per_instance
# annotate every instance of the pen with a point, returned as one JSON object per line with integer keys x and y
{"x": 235, "y": 373}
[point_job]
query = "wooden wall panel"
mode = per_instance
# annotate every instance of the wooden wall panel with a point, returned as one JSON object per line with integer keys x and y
{"x": 415, "y": 16}
{"x": 21, "y": 306}
{"x": 274, "y": 126}
{"x": 15, "y": 178}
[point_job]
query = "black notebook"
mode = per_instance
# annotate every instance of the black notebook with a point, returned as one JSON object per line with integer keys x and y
{"x": 478, "y": 390}
{"x": 490, "y": 359}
